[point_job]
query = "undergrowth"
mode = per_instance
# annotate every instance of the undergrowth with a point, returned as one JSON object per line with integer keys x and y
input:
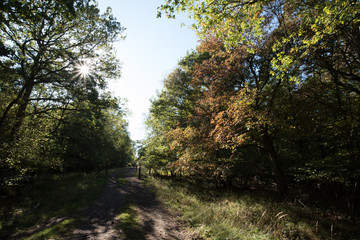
{"x": 215, "y": 213}
{"x": 50, "y": 197}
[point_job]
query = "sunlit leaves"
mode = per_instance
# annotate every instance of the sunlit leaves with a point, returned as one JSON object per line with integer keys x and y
{"x": 296, "y": 30}
{"x": 44, "y": 77}
{"x": 278, "y": 81}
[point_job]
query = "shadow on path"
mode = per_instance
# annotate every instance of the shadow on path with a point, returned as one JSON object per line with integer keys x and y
{"x": 98, "y": 221}
{"x": 156, "y": 222}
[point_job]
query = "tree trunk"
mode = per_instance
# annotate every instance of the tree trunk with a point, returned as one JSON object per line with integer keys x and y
{"x": 10, "y": 105}
{"x": 21, "y": 112}
{"x": 275, "y": 164}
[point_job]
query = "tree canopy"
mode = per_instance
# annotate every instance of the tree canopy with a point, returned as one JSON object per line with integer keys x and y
{"x": 272, "y": 91}
{"x": 56, "y": 58}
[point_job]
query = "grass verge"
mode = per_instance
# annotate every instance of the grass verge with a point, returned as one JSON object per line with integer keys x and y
{"x": 50, "y": 197}
{"x": 215, "y": 213}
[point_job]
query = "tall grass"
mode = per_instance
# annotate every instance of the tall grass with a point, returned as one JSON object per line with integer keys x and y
{"x": 214, "y": 213}
{"x": 50, "y": 197}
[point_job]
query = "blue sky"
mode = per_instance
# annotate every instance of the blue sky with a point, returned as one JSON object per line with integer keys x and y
{"x": 150, "y": 52}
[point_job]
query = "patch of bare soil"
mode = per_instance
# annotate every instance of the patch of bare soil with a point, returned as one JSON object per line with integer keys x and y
{"x": 98, "y": 221}
{"x": 156, "y": 222}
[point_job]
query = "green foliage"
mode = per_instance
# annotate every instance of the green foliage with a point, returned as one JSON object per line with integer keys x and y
{"x": 168, "y": 111}
{"x": 94, "y": 138}
{"x": 274, "y": 96}
{"x": 53, "y": 115}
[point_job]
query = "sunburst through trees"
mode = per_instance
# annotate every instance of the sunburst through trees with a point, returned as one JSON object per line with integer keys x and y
{"x": 83, "y": 71}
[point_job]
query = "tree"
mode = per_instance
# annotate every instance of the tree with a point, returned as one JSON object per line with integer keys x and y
{"x": 44, "y": 43}
{"x": 308, "y": 43}
{"x": 94, "y": 137}
{"x": 169, "y": 110}
{"x": 46, "y": 47}
{"x": 325, "y": 33}
{"x": 235, "y": 110}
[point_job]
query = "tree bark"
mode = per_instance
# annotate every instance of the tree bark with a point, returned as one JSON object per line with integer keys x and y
{"x": 275, "y": 164}
{"x": 21, "y": 112}
{"x": 10, "y": 105}
{"x": 139, "y": 176}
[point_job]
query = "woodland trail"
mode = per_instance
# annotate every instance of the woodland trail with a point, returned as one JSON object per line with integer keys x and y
{"x": 154, "y": 222}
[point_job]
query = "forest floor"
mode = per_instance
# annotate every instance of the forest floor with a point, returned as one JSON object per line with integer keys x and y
{"x": 126, "y": 209}
{"x": 103, "y": 220}
{"x": 120, "y": 206}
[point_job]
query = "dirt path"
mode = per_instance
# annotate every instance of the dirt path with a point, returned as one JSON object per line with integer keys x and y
{"x": 98, "y": 221}
{"x": 155, "y": 221}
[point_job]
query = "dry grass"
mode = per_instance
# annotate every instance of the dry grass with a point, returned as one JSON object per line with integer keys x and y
{"x": 214, "y": 213}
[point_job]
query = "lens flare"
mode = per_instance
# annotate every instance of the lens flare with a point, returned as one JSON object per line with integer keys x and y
{"x": 82, "y": 71}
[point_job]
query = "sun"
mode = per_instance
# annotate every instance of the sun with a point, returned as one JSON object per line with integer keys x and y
{"x": 83, "y": 70}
